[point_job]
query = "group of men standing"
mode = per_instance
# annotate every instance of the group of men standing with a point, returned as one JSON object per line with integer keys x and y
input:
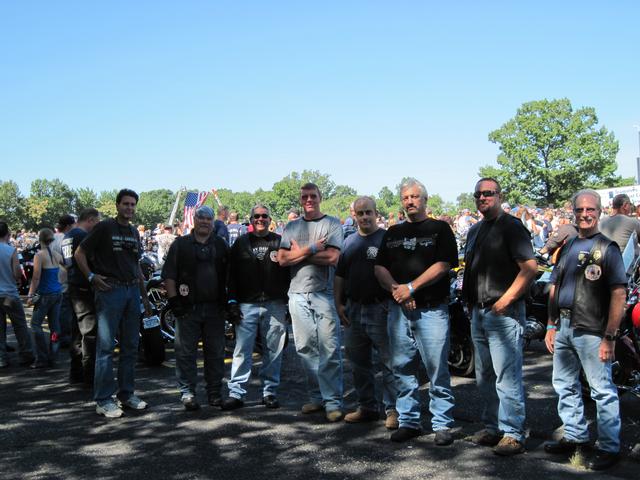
{"x": 390, "y": 291}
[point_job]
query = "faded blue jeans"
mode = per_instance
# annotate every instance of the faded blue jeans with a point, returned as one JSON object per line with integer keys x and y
{"x": 268, "y": 318}
{"x": 366, "y": 334}
{"x": 498, "y": 355}
{"x": 573, "y": 350}
{"x": 316, "y": 331}
{"x": 47, "y": 345}
{"x": 118, "y": 313}
{"x": 11, "y": 307}
{"x": 425, "y": 330}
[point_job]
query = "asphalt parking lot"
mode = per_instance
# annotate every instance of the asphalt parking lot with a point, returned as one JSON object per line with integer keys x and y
{"x": 49, "y": 429}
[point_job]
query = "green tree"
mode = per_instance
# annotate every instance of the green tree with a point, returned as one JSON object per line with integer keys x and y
{"x": 549, "y": 150}
{"x": 12, "y": 205}
{"x": 387, "y": 201}
{"x": 439, "y": 207}
{"x": 107, "y": 203}
{"x": 465, "y": 200}
{"x": 154, "y": 207}
{"x": 48, "y": 201}
{"x": 85, "y": 198}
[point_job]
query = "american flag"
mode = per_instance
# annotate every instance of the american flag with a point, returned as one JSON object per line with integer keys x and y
{"x": 191, "y": 203}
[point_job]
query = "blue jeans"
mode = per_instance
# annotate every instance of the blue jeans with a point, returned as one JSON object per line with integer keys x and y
{"x": 203, "y": 321}
{"x": 498, "y": 355}
{"x": 118, "y": 313}
{"x": 366, "y": 334}
{"x": 426, "y": 331}
{"x": 316, "y": 331}
{"x": 12, "y": 307}
{"x": 47, "y": 345}
{"x": 269, "y": 318}
{"x": 575, "y": 349}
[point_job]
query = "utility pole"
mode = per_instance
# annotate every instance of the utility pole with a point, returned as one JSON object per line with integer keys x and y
{"x": 175, "y": 205}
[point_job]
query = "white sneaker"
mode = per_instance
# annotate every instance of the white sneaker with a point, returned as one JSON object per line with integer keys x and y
{"x": 109, "y": 409}
{"x": 134, "y": 403}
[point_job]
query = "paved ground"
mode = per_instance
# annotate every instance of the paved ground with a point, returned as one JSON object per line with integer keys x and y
{"x": 49, "y": 430}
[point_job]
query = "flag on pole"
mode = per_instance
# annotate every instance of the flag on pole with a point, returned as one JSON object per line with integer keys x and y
{"x": 192, "y": 202}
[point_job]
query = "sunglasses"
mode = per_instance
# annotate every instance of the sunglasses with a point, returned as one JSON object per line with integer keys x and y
{"x": 585, "y": 210}
{"x": 257, "y": 216}
{"x": 485, "y": 193}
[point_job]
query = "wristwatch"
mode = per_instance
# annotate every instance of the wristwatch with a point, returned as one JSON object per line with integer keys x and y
{"x": 90, "y": 276}
{"x": 612, "y": 337}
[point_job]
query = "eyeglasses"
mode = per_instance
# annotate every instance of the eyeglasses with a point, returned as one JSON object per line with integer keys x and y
{"x": 485, "y": 193}
{"x": 584, "y": 210}
{"x": 257, "y": 216}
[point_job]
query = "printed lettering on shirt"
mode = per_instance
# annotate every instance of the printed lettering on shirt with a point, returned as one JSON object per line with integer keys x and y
{"x": 121, "y": 243}
{"x": 372, "y": 253}
{"x": 412, "y": 243}
{"x": 260, "y": 251}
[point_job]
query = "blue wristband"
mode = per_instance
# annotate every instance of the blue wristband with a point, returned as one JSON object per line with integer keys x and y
{"x": 411, "y": 289}
{"x": 232, "y": 301}
{"x": 551, "y": 327}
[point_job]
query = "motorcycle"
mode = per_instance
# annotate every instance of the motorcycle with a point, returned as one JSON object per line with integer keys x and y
{"x": 536, "y": 304}
{"x": 461, "y": 351}
{"x": 25, "y": 257}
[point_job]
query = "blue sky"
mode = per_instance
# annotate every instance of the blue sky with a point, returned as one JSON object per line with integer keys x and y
{"x": 159, "y": 94}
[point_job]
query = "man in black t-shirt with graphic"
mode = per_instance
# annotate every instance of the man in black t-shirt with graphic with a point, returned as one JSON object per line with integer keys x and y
{"x": 108, "y": 257}
{"x": 257, "y": 292}
{"x": 413, "y": 264}
{"x": 361, "y": 305}
{"x": 83, "y": 331}
{"x": 499, "y": 269}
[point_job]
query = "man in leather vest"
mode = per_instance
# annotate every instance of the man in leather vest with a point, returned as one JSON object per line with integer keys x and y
{"x": 195, "y": 276}
{"x": 499, "y": 268}
{"x": 586, "y": 304}
{"x": 257, "y": 291}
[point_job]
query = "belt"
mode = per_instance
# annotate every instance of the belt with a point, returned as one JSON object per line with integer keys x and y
{"x": 487, "y": 304}
{"x": 435, "y": 303}
{"x": 119, "y": 283}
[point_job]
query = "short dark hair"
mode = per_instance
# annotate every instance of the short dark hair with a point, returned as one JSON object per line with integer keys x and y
{"x": 620, "y": 200}
{"x": 88, "y": 213}
{"x": 4, "y": 229}
{"x": 311, "y": 186}
{"x": 64, "y": 221}
{"x": 491, "y": 179}
{"x": 126, "y": 192}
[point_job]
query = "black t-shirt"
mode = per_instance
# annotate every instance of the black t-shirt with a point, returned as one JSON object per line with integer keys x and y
{"x": 493, "y": 249}
{"x": 69, "y": 245}
{"x": 114, "y": 250}
{"x": 356, "y": 266}
{"x": 410, "y": 248}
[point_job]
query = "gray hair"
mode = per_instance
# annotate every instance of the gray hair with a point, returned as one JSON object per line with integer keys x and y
{"x": 412, "y": 182}
{"x": 259, "y": 205}
{"x": 587, "y": 191}
{"x": 205, "y": 211}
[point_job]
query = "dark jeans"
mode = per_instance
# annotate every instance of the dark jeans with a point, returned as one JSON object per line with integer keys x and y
{"x": 67, "y": 319}
{"x": 83, "y": 339}
{"x": 203, "y": 321}
{"x": 12, "y": 307}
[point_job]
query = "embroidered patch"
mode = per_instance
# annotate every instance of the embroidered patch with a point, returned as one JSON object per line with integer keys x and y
{"x": 183, "y": 290}
{"x": 273, "y": 256}
{"x": 597, "y": 255}
{"x": 593, "y": 272}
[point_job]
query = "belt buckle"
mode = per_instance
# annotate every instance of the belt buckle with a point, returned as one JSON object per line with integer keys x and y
{"x": 565, "y": 314}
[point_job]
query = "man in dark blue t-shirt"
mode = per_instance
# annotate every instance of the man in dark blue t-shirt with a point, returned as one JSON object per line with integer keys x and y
{"x": 83, "y": 332}
{"x": 359, "y": 301}
{"x": 586, "y": 305}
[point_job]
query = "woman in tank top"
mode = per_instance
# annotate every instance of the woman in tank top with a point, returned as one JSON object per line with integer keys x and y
{"x": 45, "y": 294}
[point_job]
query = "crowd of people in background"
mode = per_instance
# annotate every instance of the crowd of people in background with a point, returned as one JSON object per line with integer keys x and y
{"x": 383, "y": 280}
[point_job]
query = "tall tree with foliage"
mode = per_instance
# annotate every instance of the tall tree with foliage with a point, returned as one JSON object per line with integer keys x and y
{"x": 48, "y": 201}
{"x": 549, "y": 150}
{"x": 12, "y": 205}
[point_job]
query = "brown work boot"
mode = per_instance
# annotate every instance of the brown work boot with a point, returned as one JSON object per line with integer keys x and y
{"x": 334, "y": 415}
{"x": 392, "y": 422}
{"x": 508, "y": 446}
{"x": 486, "y": 438}
{"x": 312, "y": 408}
{"x": 361, "y": 415}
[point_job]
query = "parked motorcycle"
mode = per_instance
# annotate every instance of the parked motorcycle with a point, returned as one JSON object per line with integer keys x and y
{"x": 461, "y": 351}
{"x": 536, "y": 304}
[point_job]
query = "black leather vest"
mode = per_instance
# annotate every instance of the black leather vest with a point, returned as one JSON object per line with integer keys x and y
{"x": 590, "y": 310}
{"x": 186, "y": 257}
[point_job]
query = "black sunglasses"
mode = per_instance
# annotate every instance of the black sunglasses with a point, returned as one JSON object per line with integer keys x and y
{"x": 485, "y": 193}
{"x": 257, "y": 216}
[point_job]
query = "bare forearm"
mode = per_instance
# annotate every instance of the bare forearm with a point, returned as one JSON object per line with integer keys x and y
{"x": 616, "y": 308}
{"x": 170, "y": 286}
{"x": 81, "y": 261}
{"x": 338, "y": 290}
{"x": 288, "y": 258}
{"x": 384, "y": 277}
{"x": 522, "y": 281}
{"x": 431, "y": 275}
{"x": 325, "y": 257}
